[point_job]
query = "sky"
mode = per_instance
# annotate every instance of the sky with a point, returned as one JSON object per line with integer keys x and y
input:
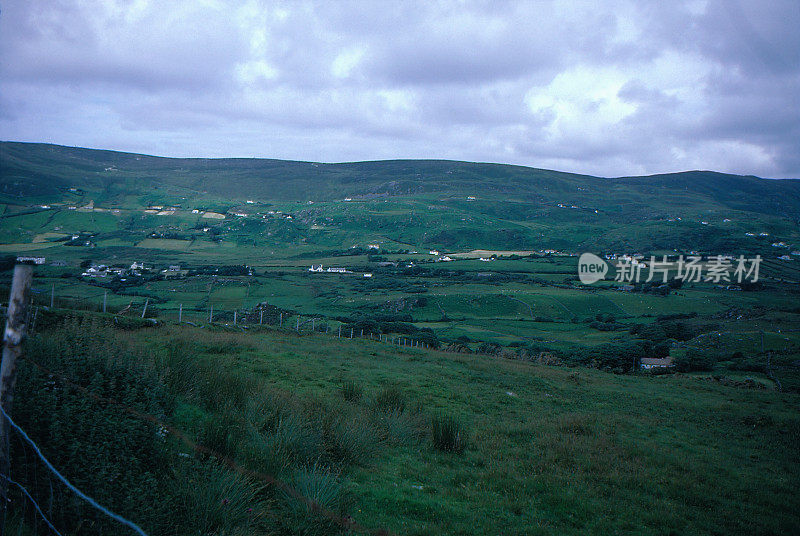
{"x": 609, "y": 88}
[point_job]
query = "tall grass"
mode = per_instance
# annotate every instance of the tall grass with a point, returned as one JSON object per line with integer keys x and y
{"x": 352, "y": 391}
{"x": 448, "y": 434}
{"x": 390, "y": 398}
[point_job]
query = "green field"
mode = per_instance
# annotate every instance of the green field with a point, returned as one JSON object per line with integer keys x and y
{"x": 549, "y": 450}
{"x": 566, "y": 434}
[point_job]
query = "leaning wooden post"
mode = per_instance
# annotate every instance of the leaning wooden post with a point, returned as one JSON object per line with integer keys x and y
{"x": 144, "y": 311}
{"x": 298, "y": 325}
{"x": 261, "y": 317}
{"x": 53, "y": 296}
{"x": 180, "y": 313}
{"x": 313, "y": 324}
{"x": 105, "y": 300}
{"x": 211, "y": 314}
{"x": 234, "y": 318}
{"x": 16, "y": 327}
{"x": 340, "y": 331}
{"x": 280, "y": 325}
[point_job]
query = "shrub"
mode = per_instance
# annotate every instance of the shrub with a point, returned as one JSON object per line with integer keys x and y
{"x": 448, "y": 434}
{"x": 694, "y": 363}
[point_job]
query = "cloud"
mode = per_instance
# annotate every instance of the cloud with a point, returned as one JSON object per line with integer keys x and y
{"x": 635, "y": 87}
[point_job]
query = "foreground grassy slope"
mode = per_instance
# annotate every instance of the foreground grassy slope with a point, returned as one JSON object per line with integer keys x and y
{"x": 550, "y": 450}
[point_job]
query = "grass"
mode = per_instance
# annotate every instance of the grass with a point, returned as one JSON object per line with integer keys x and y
{"x": 448, "y": 434}
{"x": 352, "y": 391}
{"x": 390, "y": 399}
{"x": 549, "y": 450}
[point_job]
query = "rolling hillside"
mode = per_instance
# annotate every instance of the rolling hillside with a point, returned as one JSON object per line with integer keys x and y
{"x": 411, "y": 203}
{"x": 44, "y": 170}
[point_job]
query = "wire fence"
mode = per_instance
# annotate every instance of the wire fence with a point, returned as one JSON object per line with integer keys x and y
{"x": 238, "y": 318}
{"x": 300, "y": 324}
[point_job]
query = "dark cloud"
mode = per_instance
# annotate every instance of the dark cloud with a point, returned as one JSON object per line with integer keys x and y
{"x": 634, "y": 87}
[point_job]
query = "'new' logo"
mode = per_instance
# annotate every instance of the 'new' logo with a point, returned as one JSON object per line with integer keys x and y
{"x": 591, "y": 268}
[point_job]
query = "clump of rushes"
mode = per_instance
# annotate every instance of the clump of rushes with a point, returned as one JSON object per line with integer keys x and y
{"x": 352, "y": 391}
{"x": 390, "y": 398}
{"x": 448, "y": 434}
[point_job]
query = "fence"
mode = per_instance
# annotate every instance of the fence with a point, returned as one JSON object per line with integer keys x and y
{"x": 200, "y": 315}
{"x": 21, "y": 318}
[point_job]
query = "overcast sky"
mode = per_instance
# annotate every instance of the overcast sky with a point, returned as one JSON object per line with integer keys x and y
{"x": 608, "y": 88}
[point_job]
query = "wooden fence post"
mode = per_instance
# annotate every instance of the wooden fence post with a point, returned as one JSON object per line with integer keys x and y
{"x": 144, "y": 311}
{"x": 16, "y": 327}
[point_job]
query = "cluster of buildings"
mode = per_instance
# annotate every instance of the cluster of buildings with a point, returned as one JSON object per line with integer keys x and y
{"x": 318, "y": 268}
{"x": 99, "y": 271}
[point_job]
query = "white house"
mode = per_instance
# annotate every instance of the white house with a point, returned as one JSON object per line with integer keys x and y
{"x": 648, "y": 363}
{"x": 315, "y": 268}
{"x": 31, "y": 260}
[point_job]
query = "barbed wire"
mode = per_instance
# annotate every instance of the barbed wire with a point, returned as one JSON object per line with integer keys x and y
{"x": 66, "y": 482}
{"x": 33, "y": 501}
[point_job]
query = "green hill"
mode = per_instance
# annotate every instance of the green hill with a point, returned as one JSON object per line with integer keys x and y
{"x": 421, "y": 203}
{"x": 44, "y": 169}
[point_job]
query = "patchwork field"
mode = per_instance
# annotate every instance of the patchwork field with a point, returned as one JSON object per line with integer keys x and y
{"x": 485, "y": 389}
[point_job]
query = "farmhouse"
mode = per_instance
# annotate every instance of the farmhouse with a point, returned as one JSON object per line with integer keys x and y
{"x": 31, "y": 260}
{"x": 648, "y": 363}
{"x": 315, "y": 268}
